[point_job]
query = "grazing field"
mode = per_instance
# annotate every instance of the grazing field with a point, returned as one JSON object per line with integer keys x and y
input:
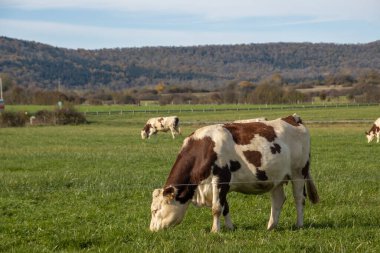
{"x": 88, "y": 188}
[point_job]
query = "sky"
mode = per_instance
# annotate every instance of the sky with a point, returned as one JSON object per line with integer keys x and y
{"x": 96, "y": 24}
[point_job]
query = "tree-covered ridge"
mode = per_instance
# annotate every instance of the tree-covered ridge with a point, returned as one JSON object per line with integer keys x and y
{"x": 36, "y": 64}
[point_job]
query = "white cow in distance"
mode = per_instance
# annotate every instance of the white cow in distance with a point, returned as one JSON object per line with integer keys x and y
{"x": 374, "y": 131}
{"x": 251, "y": 158}
{"x": 161, "y": 124}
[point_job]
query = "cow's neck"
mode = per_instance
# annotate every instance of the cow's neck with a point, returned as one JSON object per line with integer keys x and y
{"x": 193, "y": 165}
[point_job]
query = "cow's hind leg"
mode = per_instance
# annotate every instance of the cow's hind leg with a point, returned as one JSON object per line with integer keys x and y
{"x": 278, "y": 199}
{"x": 299, "y": 198}
{"x": 178, "y": 130}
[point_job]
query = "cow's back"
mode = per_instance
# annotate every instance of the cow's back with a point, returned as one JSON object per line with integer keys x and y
{"x": 377, "y": 122}
{"x": 171, "y": 121}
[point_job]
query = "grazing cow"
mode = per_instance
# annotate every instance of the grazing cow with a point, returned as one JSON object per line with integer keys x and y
{"x": 162, "y": 124}
{"x": 374, "y": 131}
{"x": 250, "y": 158}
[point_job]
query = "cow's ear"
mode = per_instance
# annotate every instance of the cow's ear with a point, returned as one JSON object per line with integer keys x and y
{"x": 170, "y": 192}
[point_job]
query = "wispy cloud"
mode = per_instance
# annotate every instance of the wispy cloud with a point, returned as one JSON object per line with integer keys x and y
{"x": 215, "y": 9}
{"x": 92, "y": 37}
{"x": 114, "y": 23}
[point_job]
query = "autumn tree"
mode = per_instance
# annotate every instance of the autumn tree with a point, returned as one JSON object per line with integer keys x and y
{"x": 7, "y": 82}
{"x": 291, "y": 95}
{"x": 371, "y": 77}
{"x": 17, "y": 95}
{"x": 160, "y": 87}
{"x": 267, "y": 93}
{"x": 229, "y": 94}
{"x": 244, "y": 88}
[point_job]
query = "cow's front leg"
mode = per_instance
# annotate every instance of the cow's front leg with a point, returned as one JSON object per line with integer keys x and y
{"x": 172, "y": 131}
{"x": 216, "y": 212}
{"x": 278, "y": 199}
{"x": 227, "y": 218}
{"x": 216, "y": 207}
{"x": 152, "y": 131}
{"x": 378, "y": 137}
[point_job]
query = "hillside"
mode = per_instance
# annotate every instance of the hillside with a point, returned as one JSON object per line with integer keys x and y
{"x": 32, "y": 63}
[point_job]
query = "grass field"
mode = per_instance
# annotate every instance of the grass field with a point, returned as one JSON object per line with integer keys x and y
{"x": 88, "y": 188}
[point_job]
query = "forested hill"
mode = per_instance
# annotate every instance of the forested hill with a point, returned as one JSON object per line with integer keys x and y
{"x": 32, "y": 63}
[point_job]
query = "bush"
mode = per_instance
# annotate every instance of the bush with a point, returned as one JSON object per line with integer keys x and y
{"x": 44, "y": 117}
{"x": 63, "y": 116}
{"x": 67, "y": 116}
{"x": 13, "y": 119}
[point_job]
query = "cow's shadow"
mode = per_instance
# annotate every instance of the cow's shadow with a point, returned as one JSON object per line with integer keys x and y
{"x": 314, "y": 225}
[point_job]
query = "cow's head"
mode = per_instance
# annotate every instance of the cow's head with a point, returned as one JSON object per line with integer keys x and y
{"x": 370, "y": 136}
{"x": 166, "y": 210}
{"x": 145, "y": 131}
{"x": 372, "y": 133}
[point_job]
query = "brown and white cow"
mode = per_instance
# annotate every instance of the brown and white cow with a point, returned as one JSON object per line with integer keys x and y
{"x": 250, "y": 158}
{"x": 374, "y": 131}
{"x": 161, "y": 124}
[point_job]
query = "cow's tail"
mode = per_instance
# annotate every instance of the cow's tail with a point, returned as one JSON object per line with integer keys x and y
{"x": 311, "y": 189}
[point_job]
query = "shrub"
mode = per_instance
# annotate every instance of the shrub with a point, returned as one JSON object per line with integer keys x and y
{"x": 67, "y": 116}
{"x": 13, "y": 119}
{"x": 63, "y": 116}
{"x": 44, "y": 117}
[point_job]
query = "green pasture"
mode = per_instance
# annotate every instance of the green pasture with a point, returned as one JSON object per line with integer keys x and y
{"x": 88, "y": 188}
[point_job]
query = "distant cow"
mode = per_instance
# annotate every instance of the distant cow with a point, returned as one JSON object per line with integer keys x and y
{"x": 250, "y": 158}
{"x": 162, "y": 124}
{"x": 374, "y": 131}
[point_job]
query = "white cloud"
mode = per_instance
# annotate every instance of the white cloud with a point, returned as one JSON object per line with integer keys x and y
{"x": 219, "y": 9}
{"x": 90, "y": 37}
{"x": 204, "y": 22}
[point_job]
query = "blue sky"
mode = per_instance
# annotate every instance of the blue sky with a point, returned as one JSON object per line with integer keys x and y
{"x": 94, "y": 24}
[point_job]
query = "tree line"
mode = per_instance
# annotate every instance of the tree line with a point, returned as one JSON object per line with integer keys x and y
{"x": 272, "y": 90}
{"x": 32, "y": 64}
